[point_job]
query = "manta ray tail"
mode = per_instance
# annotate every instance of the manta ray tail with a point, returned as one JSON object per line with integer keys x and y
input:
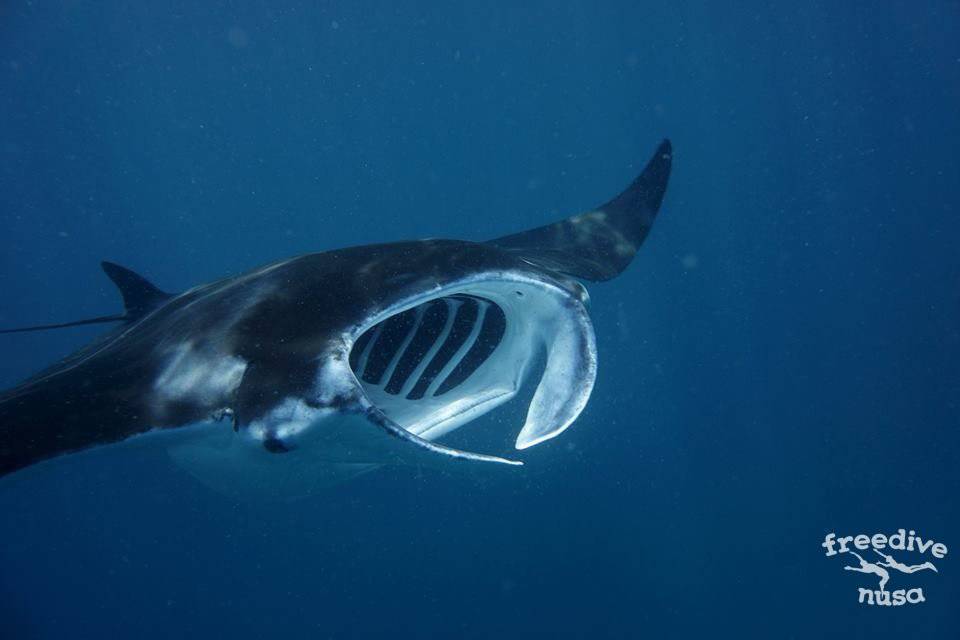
{"x": 599, "y": 244}
{"x": 62, "y": 325}
{"x": 140, "y": 297}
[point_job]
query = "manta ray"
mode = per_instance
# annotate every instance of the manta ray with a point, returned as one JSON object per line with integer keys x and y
{"x": 310, "y": 370}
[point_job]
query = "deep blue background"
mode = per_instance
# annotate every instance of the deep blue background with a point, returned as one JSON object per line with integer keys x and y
{"x": 782, "y": 360}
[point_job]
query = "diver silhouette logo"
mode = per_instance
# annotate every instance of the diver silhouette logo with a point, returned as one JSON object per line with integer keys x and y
{"x": 899, "y": 541}
{"x": 869, "y": 567}
{"x": 899, "y": 566}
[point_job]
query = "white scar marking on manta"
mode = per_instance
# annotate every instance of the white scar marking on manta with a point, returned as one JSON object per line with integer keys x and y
{"x": 200, "y": 376}
{"x": 334, "y": 380}
{"x": 594, "y": 223}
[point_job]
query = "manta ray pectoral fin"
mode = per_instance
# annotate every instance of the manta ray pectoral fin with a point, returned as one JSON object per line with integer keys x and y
{"x": 599, "y": 244}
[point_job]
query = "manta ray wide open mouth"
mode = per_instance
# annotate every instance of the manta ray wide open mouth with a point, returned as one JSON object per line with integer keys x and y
{"x": 422, "y": 362}
{"x": 432, "y": 366}
{"x": 429, "y": 350}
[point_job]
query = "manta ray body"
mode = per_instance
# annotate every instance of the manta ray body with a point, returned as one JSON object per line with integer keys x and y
{"x": 319, "y": 367}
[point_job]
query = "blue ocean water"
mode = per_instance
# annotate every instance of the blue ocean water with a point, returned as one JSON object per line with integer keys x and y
{"x": 781, "y": 361}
